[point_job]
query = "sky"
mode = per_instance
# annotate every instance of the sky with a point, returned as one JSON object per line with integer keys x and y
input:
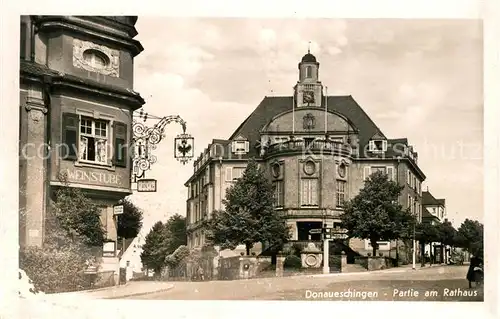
{"x": 420, "y": 79}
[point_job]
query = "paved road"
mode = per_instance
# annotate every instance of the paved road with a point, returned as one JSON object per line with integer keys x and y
{"x": 434, "y": 284}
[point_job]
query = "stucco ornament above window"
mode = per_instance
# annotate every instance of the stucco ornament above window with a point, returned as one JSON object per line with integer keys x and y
{"x": 96, "y": 58}
{"x": 309, "y": 122}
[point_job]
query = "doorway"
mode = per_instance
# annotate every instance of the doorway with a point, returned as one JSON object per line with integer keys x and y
{"x": 304, "y": 228}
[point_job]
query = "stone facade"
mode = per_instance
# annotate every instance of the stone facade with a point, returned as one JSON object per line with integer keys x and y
{"x": 317, "y": 153}
{"x": 75, "y": 116}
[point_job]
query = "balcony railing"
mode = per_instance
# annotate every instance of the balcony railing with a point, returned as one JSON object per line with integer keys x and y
{"x": 315, "y": 147}
{"x": 316, "y": 213}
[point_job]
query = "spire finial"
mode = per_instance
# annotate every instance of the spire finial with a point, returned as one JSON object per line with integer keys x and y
{"x": 309, "y": 47}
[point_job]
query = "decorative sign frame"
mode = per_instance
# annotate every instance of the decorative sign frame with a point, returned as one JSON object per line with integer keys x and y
{"x": 109, "y": 249}
{"x": 146, "y": 185}
{"x": 117, "y": 210}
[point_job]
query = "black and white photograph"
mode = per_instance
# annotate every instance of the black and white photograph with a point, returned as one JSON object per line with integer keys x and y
{"x": 204, "y": 158}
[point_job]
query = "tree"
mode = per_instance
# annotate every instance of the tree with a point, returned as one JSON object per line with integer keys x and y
{"x": 175, "y": 233}
{"x": 375, "y": 213}
{"x": 249, "y": 216}
{"x": 154, "y": 251}
{"x": 73, "y": 216}
{"x": 470, "y": 237}
{"x": 426, "y": 233}
{"x": 447, "y": 234}
{"x": 130, "y": 222}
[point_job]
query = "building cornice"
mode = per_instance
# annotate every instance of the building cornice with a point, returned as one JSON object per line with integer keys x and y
{"x": 60, "y": 81}
{"x": 79, "y": 25}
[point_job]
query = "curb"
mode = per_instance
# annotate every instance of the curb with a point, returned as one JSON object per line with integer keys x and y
{"x": 88, "y": 291}
{"x": 140, "y": 293}
{"x": 381, "y": 271}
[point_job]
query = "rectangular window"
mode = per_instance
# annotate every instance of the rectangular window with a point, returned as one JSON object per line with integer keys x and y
{"x": 309, "y": 194}
{"x": 341, "y": 196}
{"x": 377, "y": 146}
{"x": 375, "y": 169}
{"x": 94, "y": 136}
{"x": 366, "y": 172}
{"x": 240, "y": 147}
{"x": 207, "y": 175}
{"x": 278, "y": 193}
{"x": 390, "y": 173}
{"x": 237, "y": 172}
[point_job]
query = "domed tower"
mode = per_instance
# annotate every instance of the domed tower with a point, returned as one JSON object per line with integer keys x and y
{"x": 308, "y": 91}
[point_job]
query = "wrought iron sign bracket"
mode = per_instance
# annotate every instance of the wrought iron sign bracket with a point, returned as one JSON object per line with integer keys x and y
{"x": 145, "y": 140}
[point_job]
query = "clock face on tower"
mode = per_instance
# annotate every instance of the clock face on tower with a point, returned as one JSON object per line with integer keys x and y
{"x": 308, "y": 97}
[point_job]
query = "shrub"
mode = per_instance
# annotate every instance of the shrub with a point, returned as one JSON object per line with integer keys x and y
{"x": 177, "y": 256}
{"x": 381, "y": 254}
{"x": 369, "y": 254}
{"x": 292, "y": 262}
{"x": 56, "y": 270}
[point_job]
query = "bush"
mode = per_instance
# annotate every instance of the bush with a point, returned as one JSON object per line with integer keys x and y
{"x": 177, "y": 256}
{"x": 292, "y": 262}
{"x": 56, "y": 270}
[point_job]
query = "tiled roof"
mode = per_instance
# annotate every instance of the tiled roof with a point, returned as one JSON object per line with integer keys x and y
{"x": 427, "y": 215}
{"x": 36, "y": 69}
{"x": 428, "y": 199}
{"x": 269, "y": 107}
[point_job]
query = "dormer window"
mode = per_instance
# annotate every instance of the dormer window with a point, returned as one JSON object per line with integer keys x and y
{"x": 240, "y": 147}
{"x": 378, "y": 146}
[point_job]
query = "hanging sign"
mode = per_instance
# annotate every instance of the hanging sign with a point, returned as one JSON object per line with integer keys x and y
{"x": 146, "y": 185}
{"x": 118, "y": 210}
{"x": 184, "y": 148}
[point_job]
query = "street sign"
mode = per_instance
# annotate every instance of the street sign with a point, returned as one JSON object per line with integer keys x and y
{"x": 146, "y": 185}
{"x": 315, "y": 231}
{"x": 339, "y": 236}
{"x": 118, "y": 210}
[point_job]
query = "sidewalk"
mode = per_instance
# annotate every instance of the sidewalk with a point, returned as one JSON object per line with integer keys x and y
{"x": 132, "y": 288}
{"x": 403, "y": 268}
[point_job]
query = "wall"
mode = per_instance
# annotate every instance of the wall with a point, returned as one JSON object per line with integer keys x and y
{"x": 60, "y": 58}
{"x": 33, "y": 165}
{"x": 114, "y": 177}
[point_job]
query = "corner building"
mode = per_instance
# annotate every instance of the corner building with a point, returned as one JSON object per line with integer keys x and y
{"x": 317, "y": 150}
{"x": 76, "y": 104}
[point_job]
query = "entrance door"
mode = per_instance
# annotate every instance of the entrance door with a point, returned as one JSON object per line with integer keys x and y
{"x": 303, "y": 229}
{"x": 334, "y": 255}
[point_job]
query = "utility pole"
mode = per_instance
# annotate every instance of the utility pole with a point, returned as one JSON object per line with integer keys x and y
{"x": 326, "y": 266}
{"x": 326, "y": 247}
{"x": 414, "y": 247}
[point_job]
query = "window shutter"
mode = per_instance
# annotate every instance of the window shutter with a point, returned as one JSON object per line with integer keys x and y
{"x": 120, "y": 144}
{"x": 70, "y": 136}
{"x": 303, "y": 197}
{"x": 384, "y": 146}
{"x": 229, "y": 174}
{"x": 366, "y": 172}
{"x": 247, "y": 146}
{"x": 314, "y": 191}
{"x": 233, "y": 147}
{"x": 390, "y": 173}
{"x": 23, "y": 42}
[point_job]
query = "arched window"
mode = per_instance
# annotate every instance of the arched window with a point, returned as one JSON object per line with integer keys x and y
{"x": 308, "y": 72}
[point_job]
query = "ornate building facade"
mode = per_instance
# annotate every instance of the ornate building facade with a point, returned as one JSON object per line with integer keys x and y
{"x": 316, "y": 149}
{"x": 76, "y": 104}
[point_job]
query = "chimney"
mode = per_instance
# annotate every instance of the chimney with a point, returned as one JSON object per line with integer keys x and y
{"x": 427, "y": 189}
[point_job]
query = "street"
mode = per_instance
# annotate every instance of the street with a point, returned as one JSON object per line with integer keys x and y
{"x": 446, "y": 283}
